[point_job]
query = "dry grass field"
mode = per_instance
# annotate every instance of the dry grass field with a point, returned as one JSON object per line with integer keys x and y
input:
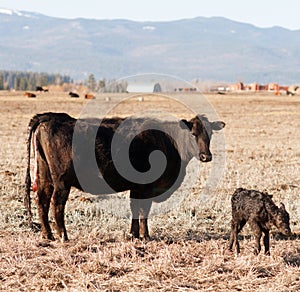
{"x": 188, "y": 246}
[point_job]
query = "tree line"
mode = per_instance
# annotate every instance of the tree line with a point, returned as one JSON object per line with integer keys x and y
{"x": 104, "y": 85}
{"x": 27, "y": 81}
{"x": 19, "y": 80}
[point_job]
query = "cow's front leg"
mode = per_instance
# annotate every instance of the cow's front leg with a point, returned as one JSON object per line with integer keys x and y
{"x": 144, "y": 213}
{"x": 140, "y": 209}
{"x": 135, "y": 226}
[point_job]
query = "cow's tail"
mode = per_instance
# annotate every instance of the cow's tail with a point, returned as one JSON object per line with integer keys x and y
{"x": 33, "y": 124}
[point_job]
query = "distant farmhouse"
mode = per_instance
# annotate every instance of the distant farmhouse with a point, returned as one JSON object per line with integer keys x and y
{"x": 256, "y": 87}
{"x": 185, "y": 89}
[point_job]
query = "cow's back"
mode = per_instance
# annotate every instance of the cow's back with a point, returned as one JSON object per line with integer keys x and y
{"x": 141, "y": 141}
{"x": 80, "y": 152}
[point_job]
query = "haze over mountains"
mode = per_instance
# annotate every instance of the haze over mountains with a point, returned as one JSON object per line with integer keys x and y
{"x": 215, "y": 48}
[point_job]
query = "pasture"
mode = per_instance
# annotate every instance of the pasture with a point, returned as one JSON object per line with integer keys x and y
{"x": 188, "y": 246}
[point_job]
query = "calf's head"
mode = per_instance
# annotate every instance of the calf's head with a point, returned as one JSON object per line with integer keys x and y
{"x": 202, "y": 129}
{"x": 282, "y": 220}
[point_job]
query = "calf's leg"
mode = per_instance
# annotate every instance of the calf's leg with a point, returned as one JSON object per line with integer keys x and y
{"x": 236, "y": 239}
{"x": 257, "y": 234}
{"x": 236, "y": 227}
{"x": 232, "y": 235}
{"x": 267, "y": 241}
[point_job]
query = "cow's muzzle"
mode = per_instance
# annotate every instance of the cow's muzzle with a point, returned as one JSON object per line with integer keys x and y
{"x": 205, "y": 158}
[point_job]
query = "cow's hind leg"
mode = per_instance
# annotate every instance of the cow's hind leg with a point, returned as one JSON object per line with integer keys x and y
{"x": 44, "y": 193}
{"x": 58, "y": 203}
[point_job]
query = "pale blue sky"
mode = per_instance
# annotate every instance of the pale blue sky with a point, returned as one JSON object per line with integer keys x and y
{"x": 262, "y": 13}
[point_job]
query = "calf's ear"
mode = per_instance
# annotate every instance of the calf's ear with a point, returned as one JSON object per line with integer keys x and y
{"x": 184, "y": 123}
{"x": 218, "y": 125}
{"x": 281, "y": 206}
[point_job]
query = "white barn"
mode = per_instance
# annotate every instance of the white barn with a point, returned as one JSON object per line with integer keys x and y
{"x": 143, "y": 87}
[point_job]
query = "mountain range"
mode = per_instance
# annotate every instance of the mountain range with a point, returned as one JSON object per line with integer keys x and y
{"x": 214, "y": 48}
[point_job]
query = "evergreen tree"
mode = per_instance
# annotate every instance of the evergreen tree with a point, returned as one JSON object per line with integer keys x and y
{"x": 31, "y": 82}
{"x": 16, "y": 82}
{"x": 91, "y": 82}
{"x": 23, "y": 85}
{"x": 44, "y": 79}
{"x": 1, "y": 82}
{"x": 101, "y": 85}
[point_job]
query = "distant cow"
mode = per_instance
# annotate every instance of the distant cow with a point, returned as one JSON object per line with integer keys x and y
{"x": 73, "y": 94}
{"x": 293, "y": 90}
{"x": 259, "y": 210}
{"x": 89, "y": 96}
{"x": 29, "y": 94}
{"x": 41, "y": 88}
{"x": 64, "y": 149}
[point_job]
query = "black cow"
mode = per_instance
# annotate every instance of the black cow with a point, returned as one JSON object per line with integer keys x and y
{"x": 65, "y": 147}
{"x": 73, "y": 94}
{"x": 41, "y": 88}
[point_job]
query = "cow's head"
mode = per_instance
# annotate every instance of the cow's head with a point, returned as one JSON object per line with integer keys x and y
{"x": 282, "y": 220}
{"x": 202, "y": 129}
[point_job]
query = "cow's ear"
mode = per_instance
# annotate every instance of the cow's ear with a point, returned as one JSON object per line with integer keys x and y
{"x": 184, "y": 123}
{"x": 218, "y": 125}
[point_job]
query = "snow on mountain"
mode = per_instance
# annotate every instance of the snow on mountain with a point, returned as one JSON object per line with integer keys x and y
{"x": 6, "y": 11}
{"x": 17, "y": 12}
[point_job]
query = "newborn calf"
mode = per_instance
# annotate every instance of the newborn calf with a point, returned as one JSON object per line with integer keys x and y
{"x": 259, "y": 210}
